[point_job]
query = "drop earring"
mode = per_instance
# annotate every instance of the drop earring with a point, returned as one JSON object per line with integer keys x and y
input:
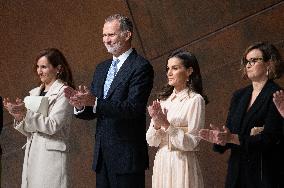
{"x": 267, "y": 72}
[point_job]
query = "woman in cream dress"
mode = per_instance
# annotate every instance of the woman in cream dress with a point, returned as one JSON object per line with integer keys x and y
{"x": 46, "y": 150}
{"x": 175, "y": 123}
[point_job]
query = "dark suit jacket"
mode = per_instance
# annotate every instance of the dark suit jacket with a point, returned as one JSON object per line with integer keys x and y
{"x": 121, "y": 117}
{"x": 260, "y": 155}
{"x": 1, "y": 120}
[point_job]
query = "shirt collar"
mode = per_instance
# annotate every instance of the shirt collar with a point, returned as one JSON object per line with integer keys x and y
{"x": 181, "y": 95}
{"x": 123, "y": 56}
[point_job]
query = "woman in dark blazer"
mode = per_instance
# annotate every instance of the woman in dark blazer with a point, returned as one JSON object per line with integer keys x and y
{"x": 253, "y": 130}
{"x": 1, "y": 126}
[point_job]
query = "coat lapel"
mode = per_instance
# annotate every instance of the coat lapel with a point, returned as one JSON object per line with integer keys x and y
{"x": 241, "y": 110}
{"x": 54, "y": 89}
{"x": 259, "y": 101}
{"x": 123, "y": 73}
{"x": 36, "y": 91}
{"x": 52, "y": 92}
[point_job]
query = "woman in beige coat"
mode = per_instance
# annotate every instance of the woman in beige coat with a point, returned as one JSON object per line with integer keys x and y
{"x": 46, "y": 129}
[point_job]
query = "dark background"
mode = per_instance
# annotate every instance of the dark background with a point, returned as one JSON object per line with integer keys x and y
{"x": 217, "y": 31}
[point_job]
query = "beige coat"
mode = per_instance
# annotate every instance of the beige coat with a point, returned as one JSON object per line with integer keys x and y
{"x": 46, "y": 150}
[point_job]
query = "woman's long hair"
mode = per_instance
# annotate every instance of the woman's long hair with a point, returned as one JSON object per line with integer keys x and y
{"x": 194, "y": 82}
{"x": 56, "y": 58}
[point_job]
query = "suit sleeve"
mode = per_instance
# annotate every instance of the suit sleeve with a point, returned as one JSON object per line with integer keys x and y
{"x": 219, "y": 148}
{"x": 134, "y": 105}
{"x": 88, "y": 113}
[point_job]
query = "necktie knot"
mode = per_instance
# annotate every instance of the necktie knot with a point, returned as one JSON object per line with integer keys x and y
{"x": 115, "y": 62}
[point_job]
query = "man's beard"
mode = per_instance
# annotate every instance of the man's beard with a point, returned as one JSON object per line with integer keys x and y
{"x": 114, "y": 48}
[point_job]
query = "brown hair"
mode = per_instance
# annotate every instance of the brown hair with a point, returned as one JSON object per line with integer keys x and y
{"x": 56, "y": 58}
{"x": 194, "y": 82}
{"x": 269, "y": 53}
{"x": 125, "y": 22}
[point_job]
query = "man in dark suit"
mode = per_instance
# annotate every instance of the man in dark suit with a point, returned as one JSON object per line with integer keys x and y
{"x": 118, "y": 98}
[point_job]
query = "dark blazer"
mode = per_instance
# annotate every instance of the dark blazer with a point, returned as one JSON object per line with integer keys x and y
{"x": 121, "y": 117}
{"x": 258, "y": 156}
{"x": 1, "y": 120}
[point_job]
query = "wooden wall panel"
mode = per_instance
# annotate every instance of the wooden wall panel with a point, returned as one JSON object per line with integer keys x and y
{"x": 166, "y": 25}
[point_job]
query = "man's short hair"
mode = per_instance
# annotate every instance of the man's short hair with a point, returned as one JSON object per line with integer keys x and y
{"x": 125, "y": 22}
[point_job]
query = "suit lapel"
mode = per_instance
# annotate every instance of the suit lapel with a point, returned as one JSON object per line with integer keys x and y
{"x": 101, "y": 81}
{"x": 123, "y": 73}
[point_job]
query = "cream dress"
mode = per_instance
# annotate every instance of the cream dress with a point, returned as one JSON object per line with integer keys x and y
{"x": 176, "y": 164}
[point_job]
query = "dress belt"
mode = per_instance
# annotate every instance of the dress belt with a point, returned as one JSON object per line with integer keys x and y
{"x": 185, "y": 130}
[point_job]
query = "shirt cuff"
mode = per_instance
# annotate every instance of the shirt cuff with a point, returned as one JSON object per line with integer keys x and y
{"x": 95, "y": 106}
{"x": 76, "y": 111}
